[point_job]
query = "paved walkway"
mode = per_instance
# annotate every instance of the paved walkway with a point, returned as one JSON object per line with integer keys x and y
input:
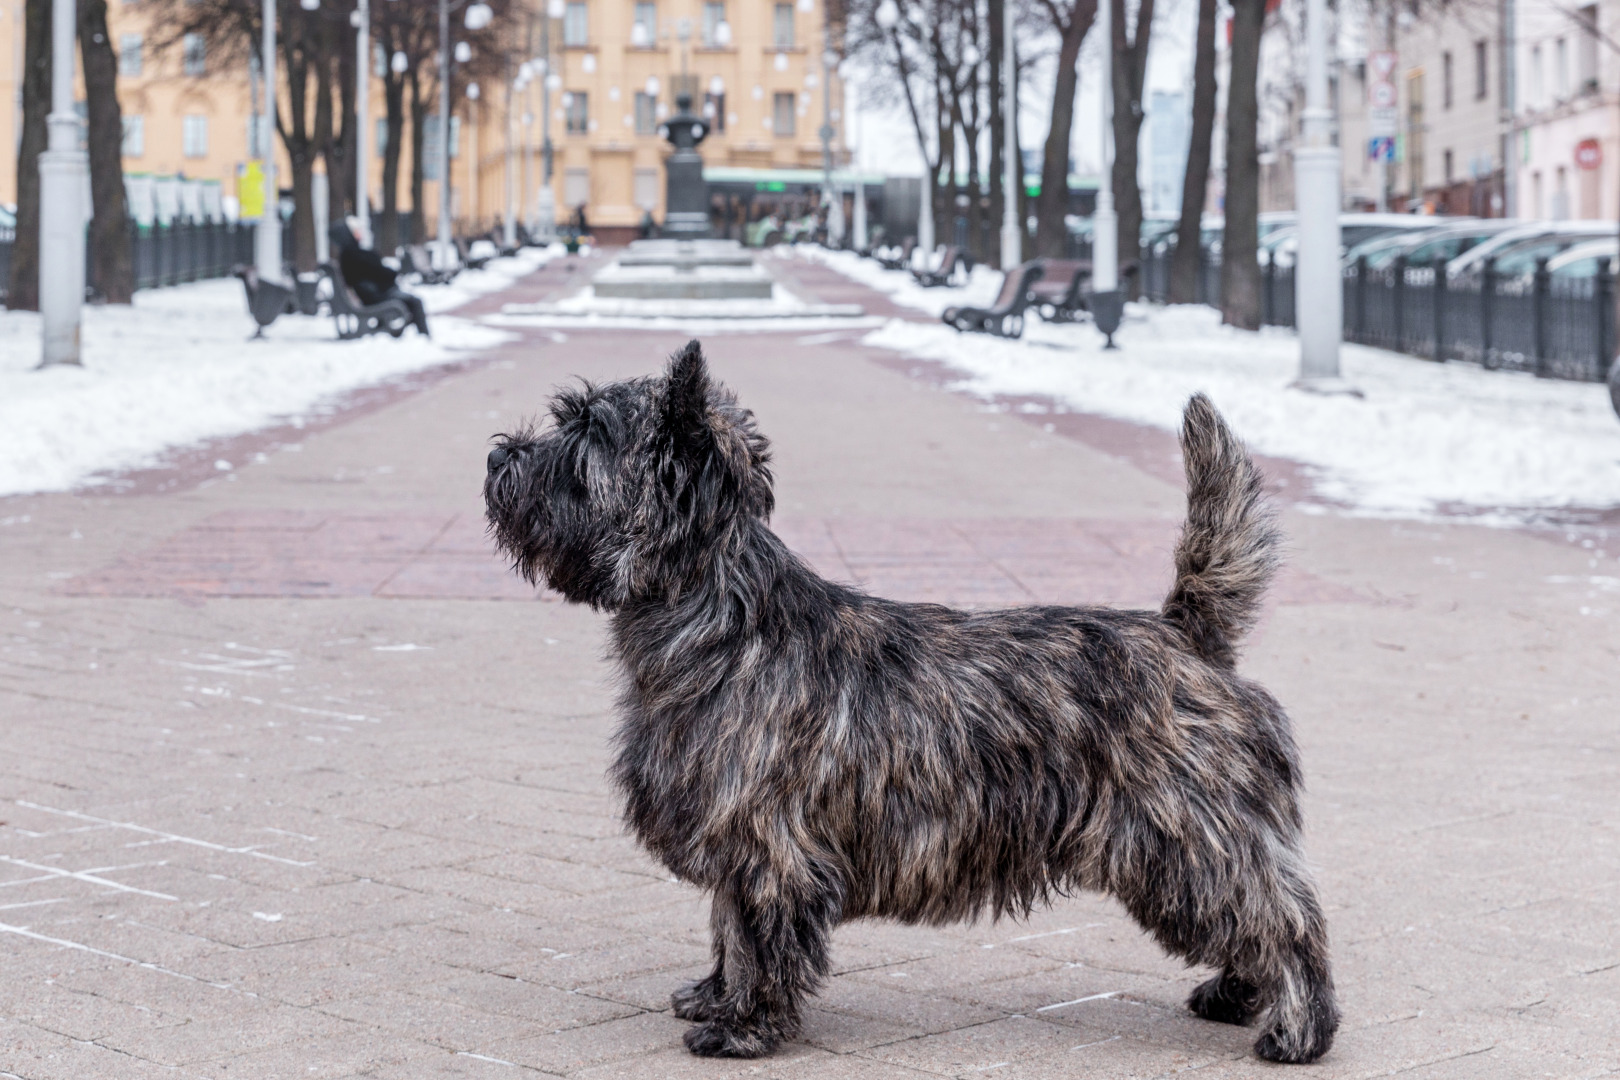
{"x": 297, "y": 782}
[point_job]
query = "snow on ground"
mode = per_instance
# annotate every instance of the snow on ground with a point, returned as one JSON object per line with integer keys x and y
{"x": 176, "y": 368}
{"x": 980, "y": 289}
{"x": 1426, "y": 438}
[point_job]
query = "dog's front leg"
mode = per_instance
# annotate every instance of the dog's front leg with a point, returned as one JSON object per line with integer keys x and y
{"x": 772, "y": 951}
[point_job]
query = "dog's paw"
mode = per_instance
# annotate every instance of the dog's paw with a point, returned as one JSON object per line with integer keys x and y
{"x": 1225, "y": 1000}
{"x": 1295, "y": 1047}
{"x": 698, "y": 1001}
{"x": 715, "y": 1040}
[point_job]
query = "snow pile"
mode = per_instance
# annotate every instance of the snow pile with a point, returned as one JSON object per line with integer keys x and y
{"x": 1426, "y": 438}
{"x": 980, "y": 290}
{"x": 176, "y": 368}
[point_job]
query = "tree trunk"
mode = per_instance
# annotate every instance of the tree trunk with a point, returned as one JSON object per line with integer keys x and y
{"x": 112, "y": 265}
{"x": 1185, "y": 261}
{"x": 388, "y": 236}
{"x": 1051, "y": 233}
{"x": 23, "y": 292}
{"x": 341, "y": 144}
{"x": 324, "y": 147}
{"x": 1240, "y": 268}
{"x": 1130, "y": 70}
{"x": 418, "y": 230}
{"x": 998, "y": 131}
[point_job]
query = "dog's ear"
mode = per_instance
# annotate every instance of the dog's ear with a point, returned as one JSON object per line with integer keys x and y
{"x": 686, "y": 404}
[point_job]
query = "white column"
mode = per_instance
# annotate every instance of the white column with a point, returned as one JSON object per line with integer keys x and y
{"x": 509, "y": 232}
{"x": 1012, "y": 236}
{"x": 268, "y": 246}
{"x": 925, "y": 221}
{"x": 63, "y": 173}
{"x": 860, "y": 235}
{"x": 442, "y": 257}
{"x": 1318, "y": 287}
{"x": 362, "y": 121}
{"x": 1105, "y": 223}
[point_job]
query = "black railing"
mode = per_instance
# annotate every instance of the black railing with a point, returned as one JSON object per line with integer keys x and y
{"x": 1557, "y": 327}
{"x": 166, "y": 254}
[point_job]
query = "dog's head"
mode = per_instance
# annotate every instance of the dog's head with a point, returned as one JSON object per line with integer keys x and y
{"x": 632, "y": 489}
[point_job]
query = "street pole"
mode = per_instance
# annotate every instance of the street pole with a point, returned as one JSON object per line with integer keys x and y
{"x": 63, "y": 168}
{"x": 442, "y": 256}
{"x": 509, "y": 233}
{"x": 829, "y": 194}
{"x": 546, "y": 199}
{"x": 1012, "y": 237}
{"x": 1105, "y": 223}
{"x": 1318, "y": 288}
{"x": 268, "y": 248}
{"x": 362, "y": 119}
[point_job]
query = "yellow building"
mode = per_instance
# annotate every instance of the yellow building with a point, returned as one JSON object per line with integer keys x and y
{"x": 756, "y": 66}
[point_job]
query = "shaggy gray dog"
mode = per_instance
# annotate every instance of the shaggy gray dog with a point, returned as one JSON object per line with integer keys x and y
{"x": 809, "y": 754}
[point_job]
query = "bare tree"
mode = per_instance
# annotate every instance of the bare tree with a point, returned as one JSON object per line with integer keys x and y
{"x": 1195, "y": 181}
{"x": 23, "y": 292}
{"x": 1130, "y": 72}
{"x": 1240, "y": 267}
{"x": 112, "y": 263}
{"x": 1072, "y": 19}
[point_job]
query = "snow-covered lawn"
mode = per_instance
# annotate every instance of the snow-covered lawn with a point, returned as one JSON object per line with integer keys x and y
{"x": 1426, "y": 438}
{"x": 176, "y": 368}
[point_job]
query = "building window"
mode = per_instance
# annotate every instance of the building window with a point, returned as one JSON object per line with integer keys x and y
{"x": 134, "y": 136}
{"x": 713, "y": 15}
{"x": 1536, "y": 90}
{"x": 576, "y": 108}
{"x": 194, "y": 52}
{"x": 646, "y": 189}
{"x": 646, "y": 17}
{"x": 783, "y": 117}
{"x": 576, "y": 26}
{"x": 782, "y": 26}
{"x": 1560, "y": 70}
{"x": 382, "y": 136}
{"x": 646, "y": 114}
{"x": 129, "y": 56}
{"x": 431, "y": 150}
{"x": 1586, "y": 55}
{"x": 1445, "y": 80}
{"x": 194, "y": 135}
{"x": 1445, "y": 159}
{"x": 576, "y": 187}
{"x": 1481, "y": 71}
{"x": 714, "y": 111}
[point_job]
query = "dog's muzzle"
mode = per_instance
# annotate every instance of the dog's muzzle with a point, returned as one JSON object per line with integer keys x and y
{"x": 498, "y": 457}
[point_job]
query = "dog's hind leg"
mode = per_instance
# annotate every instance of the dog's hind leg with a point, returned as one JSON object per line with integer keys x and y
{"x": 700, "y": 1001}
{"x": 773, "y": 952}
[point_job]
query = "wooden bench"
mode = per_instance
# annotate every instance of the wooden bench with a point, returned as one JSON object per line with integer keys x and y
{"x": 357, "y": 320}
{"x": 1005, "y": 317}
{"x": 414, "y": 259}
{"x": 900, "y": 261}
{"x": 1060, "y": 295}
{"x": 951, "y": 260}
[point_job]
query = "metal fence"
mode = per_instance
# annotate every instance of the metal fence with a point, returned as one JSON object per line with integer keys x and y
{"x": 1556, "y": 327}
{"x": 170, "y": 254}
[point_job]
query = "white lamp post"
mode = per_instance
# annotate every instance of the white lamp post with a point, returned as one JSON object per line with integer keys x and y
{"x": 1105, "y": 224}
{"x": 1012, "y": 237}
{"x": 267, "y": 253}
{"x": 362, "y": 119}
{"x": 509, "y": 230}
{"x": 477, "y": 17}
{"x": 1318, "y": 292}
{"x": 888, "y": 17}
{"x": 62, "y": 171}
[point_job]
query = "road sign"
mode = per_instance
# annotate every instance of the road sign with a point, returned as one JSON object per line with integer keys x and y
{"x": 1383, "y": 122}
{"x": 1382, "y": 99}
{"x": 1381, "y": 95}
{"x": 1381, "y": 65}
{"x": 1589, "y": 154}
{"x": 1381, "y": 148}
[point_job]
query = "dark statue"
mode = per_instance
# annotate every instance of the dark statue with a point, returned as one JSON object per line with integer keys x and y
{"x": 686, "y": 199}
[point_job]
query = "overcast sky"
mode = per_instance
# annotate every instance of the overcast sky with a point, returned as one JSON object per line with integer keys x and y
{"x": 883, "y": 141}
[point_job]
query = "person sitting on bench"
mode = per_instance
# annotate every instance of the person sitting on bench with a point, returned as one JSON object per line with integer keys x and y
{"x": 372, "y": 280}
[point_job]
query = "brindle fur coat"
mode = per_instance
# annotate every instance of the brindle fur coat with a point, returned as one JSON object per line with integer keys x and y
{"x": 809, "y": 754}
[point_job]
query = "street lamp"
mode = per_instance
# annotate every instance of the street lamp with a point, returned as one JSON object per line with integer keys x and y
{"x": 888, "y": 17}
{"x": 829, "y": 194}
{"x": 1318, "y": 288}
{"x": 268, "y": 236}
{"x": 62, "y": 171}
{"x": 1012, "y": 236}
{"x": 1107, "y": 302}
{"x": 362, "y": 118}
{"x": 477, "y": 17}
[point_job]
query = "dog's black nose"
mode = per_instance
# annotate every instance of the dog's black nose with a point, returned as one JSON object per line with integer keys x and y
{"x": 498, "y": 457}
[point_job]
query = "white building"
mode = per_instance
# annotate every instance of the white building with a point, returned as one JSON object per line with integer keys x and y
{"x": 1566, "y": 134}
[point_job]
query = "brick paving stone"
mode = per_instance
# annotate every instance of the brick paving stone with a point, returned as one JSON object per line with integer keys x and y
{"x": 310, "y": 704}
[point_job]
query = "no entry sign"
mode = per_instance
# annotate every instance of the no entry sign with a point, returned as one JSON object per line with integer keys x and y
{"x": 1588, "y": 154}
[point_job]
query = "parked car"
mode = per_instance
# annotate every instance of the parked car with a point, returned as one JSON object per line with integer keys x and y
{"x": 1438, "y": 245}
{"x": 1548, "y": 237}
{"x": 1582, "y": 260}
{"x": 1354, "y": 229}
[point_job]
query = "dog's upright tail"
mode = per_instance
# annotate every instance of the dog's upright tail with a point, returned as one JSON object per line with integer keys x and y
{"x": 1228, "y": 553}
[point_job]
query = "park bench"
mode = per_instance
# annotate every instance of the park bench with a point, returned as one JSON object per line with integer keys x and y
{"x": 468, "y": 259}
{"x": 414, "y": 259}
{"x": 951, "y": 260}
{"x": 1005, "y": 317}
{"x": 1060, "y": 295}
{"x": 266, "y": 300}
{"x": 900, "y": 261}
{"x": 356, "y": 320}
